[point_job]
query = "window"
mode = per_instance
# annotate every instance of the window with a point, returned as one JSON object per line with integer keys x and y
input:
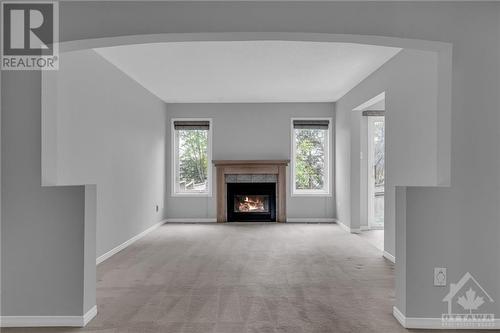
{"x": 311, "y": 156}
{"x": 192, "y": 157}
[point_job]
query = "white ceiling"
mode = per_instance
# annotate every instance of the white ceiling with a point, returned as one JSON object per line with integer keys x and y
{"x": 248, "y": 71}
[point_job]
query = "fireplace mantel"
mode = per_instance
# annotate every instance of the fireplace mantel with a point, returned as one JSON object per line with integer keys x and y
{"x": 239, "y": 167}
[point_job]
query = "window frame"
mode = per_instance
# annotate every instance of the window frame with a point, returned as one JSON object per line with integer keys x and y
{"x": 327, "y": 192}
{"x": 174, "y": 159}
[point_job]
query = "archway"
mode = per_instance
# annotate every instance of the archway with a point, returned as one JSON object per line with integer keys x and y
{"x": 442, "y": 125}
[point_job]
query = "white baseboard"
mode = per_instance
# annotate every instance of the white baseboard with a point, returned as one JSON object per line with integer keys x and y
{"x": 290, "y": 220}
{"x": 48, "y": 321}
{"x": 191, "y": 220}
{"x": 311, "y": 220}
{"x": 368, "y": 228}
{"x": 89, "y": 315}
{"x": 349, "y": 229}
{"x": 376, "y": 227}
{"x": 399, "y": 316}
{"x": 389, "y": 257}
{"x": 435, "y": 323}
{"x": 127, "y": 243}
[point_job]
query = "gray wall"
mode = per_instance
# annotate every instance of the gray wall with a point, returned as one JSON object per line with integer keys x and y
{"x": 111, "y": 132}
{"x": 456, "y": 227}
{"x": 249, "y": 131}
{"x": 42, "y": 227}
{"x": 411, "y": 137}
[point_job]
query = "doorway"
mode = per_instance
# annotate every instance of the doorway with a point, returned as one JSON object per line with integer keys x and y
{"x": 376, "y": 172}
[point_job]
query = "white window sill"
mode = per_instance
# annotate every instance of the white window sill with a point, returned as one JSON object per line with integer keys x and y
{"x": 188, "y": 195}
{"x": 311, "y": 194}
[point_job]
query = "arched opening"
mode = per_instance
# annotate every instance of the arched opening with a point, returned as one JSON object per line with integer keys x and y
{"x": 439, "y": 132}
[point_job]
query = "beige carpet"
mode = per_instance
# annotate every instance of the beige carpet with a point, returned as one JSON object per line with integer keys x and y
{"x": 243, "y": 278}
{"x": 374, "y": 237}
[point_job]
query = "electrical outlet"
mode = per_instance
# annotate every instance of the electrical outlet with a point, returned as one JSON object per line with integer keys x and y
{"x": 439, "y": 276}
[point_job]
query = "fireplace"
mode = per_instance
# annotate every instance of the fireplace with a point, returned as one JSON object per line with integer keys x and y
{"x": 251, "y": 202}
{"x": 256, "y": 187}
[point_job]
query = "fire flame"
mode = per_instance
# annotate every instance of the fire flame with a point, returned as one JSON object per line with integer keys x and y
{"x": 251, "y": 205}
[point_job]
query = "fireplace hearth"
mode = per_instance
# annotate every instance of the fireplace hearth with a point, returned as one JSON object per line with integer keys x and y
{"x": 251, "y": 202}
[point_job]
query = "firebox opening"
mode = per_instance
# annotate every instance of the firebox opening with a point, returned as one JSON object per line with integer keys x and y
{"x": 251, "y": 202}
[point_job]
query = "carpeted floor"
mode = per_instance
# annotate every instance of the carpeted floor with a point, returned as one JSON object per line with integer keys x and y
{"x": 243, "y": 278}
{"x": 375, "y": 237}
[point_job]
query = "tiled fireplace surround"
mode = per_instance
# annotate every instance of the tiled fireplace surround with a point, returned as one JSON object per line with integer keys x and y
{"x": 251, "y": 171}
{"x": 249, "y": 178}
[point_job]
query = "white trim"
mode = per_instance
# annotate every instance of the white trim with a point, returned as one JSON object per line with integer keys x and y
{"x": 349, "y": 229}
{"x": 127, "y": 243}
{"x": 48, "y": 321}
{"x": 89, "y": 315}
{"x": 191, "y": 220}
{"x": 191, "y": 194}
{"x": 311, "y": 220}
{"x": 434, "y": 323}
{"x": 289, "y": 220}
{"x": 399, "y": 316}
{"x": 327, "y": 192}
{"x": 370, "y": 179}
{"x": 389, "y": 257}
{"x": 367, "y": 228}
{"x": 311, "y": 193}
{"x": 372, "y": 101}
{"x": 376, "y": 227}
{"x": 173, "y": 158}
